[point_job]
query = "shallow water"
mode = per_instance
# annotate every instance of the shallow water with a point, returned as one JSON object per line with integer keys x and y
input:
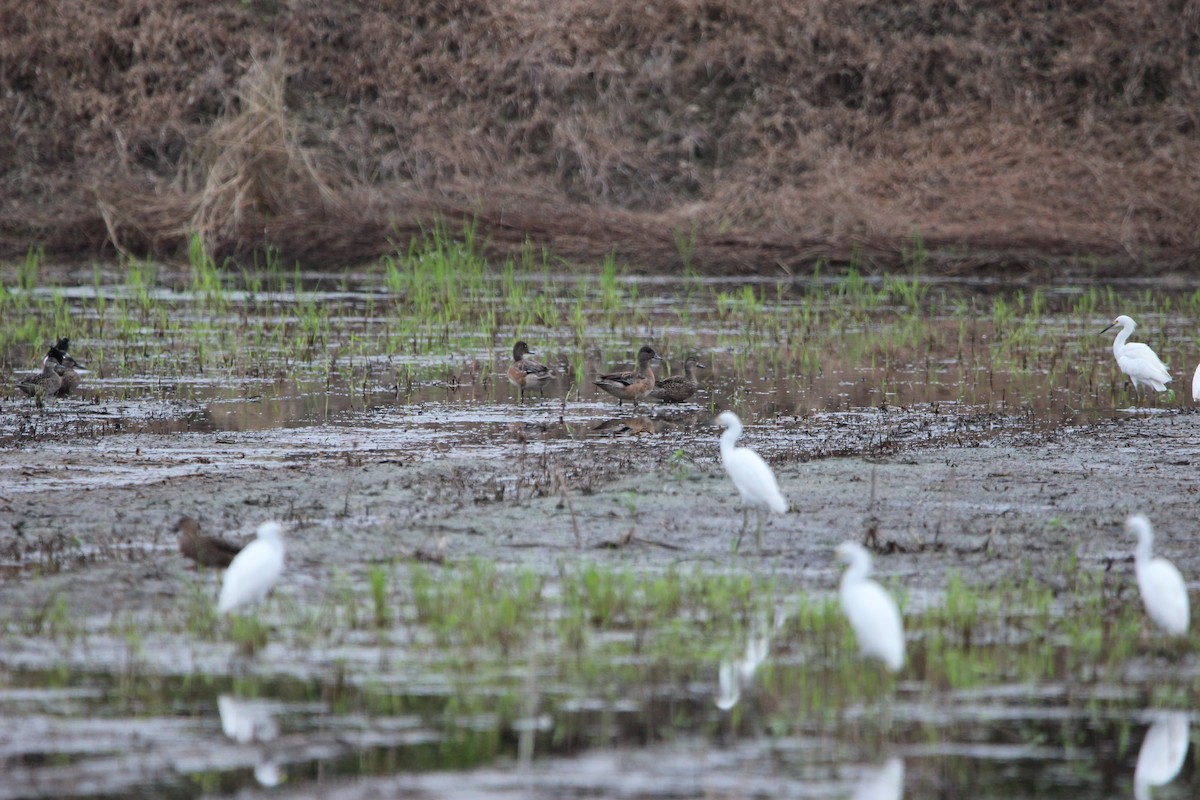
{"x": 188, "y": 388}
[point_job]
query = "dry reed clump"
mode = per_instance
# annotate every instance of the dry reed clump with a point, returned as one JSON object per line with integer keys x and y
{"x": 772, "y": 130}
{"x": 249, "y": 166}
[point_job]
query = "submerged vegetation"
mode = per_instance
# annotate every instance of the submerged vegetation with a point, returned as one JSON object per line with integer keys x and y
{"x": 437, "y": 313}
{"x": 612, "y": 627}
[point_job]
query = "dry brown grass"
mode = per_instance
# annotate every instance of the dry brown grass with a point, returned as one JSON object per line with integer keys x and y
{"x": 1011, "y": 131}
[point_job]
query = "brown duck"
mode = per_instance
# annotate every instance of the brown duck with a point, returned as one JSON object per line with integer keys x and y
{"x": 46, "y": 382}
{"x": 525, "y": 373}
{"x": 634, "y": 384}
{"x": 211, "y": 551}
{"x": 678, "y": 389}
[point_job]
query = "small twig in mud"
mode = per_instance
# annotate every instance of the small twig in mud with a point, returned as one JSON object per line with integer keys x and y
{"x": 630, "y": 538}
{"x": 561, "y": 483}
{"x": 947, "y": 488}
{"x": 872, "y": 522}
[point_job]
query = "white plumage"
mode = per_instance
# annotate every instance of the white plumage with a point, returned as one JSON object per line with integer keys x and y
{"x": 255, "y": 570}
{"x": 1163, "y": 591}
{"x": 1196, "y": 385}
{"x": 1137, "y": 360}
{"x": 754, "y": 480}
{"x": 1163, "y": 752}
{"x": 872, "y": 612}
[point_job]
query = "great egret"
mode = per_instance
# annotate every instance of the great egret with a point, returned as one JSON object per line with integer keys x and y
{"x": 1162, "y": 588}
{"x": 254, "y": 570}
{"x": 1196, "y": 385}
{"x": 678, "y": 389}
{"x": 1137, "y": 360}
{"x": 525, "y": 373}
{"x": 754, "y": 480}
{"x": 632, "y": 384}
{"x": 203, "y": 548}
{"x": 1163, "y": 752}
{"x": 872, "y": 612}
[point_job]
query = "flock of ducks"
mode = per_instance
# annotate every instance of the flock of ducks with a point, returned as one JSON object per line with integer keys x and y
{"x": 640, "y": 383}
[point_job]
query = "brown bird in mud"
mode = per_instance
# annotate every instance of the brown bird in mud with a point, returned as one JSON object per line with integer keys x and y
{"x": 68, "y": 375}
{"x": 66, "y": 367}
{"x": 211, "y": 551}
{"x": 525, "y": 373}
{"x": 634, "y": 384}
{"x": 678, "y": 389}
{"x": 46, "y": 382}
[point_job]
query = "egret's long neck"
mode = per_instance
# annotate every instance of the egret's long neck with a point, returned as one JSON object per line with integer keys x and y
{"x": 729, "y": 437}
{"x": 1145, "y": 546}
{"x": 1122, "y": 338}
{"x": 858, "y": 570}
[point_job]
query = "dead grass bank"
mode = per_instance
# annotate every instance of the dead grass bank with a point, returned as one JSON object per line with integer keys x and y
{"x": 767, "y": 133}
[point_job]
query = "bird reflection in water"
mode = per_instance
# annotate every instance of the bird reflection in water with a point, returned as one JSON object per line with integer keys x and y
{"x": 1163, "y": 752}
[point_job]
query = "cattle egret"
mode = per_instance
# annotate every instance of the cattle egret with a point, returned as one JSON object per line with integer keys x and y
{"x": 872, "y": 612}
{"x": 1137, "y": 360}
{"x": 254, "y": 570}
{"x": 750, "y": 474}
{"x": 1163, "y": 590}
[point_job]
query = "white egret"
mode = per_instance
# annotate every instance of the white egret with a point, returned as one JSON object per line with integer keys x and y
{"x": 1163, "y": 590}
{"x": 254, "y": 570}
{"x": 1137, "y": 360}
{"x": 871, "y": 610}
{"x": 1163, "y": 752}
{"x": 885, "y": 783}
{"x": 754, "y": 480}
{"x": 1196, "y": 384}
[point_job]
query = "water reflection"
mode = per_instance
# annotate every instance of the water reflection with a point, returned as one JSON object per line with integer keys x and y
{"x": 1163, "y": 752}
{"x": 736, "y": 672}
{"x": 246, "y": 721}
{"x": 885, "y": 783}
{"x": 252, "y": 722}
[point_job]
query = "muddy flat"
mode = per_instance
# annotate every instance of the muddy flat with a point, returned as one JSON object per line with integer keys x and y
{"x": 562, "y": 597}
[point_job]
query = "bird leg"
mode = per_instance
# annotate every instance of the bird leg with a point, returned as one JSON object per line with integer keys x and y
{"x": 745, "y": 524}
{"x": 758, "y": 533}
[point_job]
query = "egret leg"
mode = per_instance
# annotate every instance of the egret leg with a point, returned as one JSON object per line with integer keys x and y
{"x": 745, "y": 524}
{"x": 758, "y": 532}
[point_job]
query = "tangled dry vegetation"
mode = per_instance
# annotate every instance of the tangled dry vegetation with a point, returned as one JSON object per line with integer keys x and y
{"x": 766, "y": 133}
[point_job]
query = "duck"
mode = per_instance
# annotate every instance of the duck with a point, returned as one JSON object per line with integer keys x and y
{"x": 68, "y": 371}
{"x": 203, "y": 548}
{"x": 678, "y": 389}
{"x": 46, "y": 382}
{"x": 525, "y": 373}
{"x": 634, "y": 384}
